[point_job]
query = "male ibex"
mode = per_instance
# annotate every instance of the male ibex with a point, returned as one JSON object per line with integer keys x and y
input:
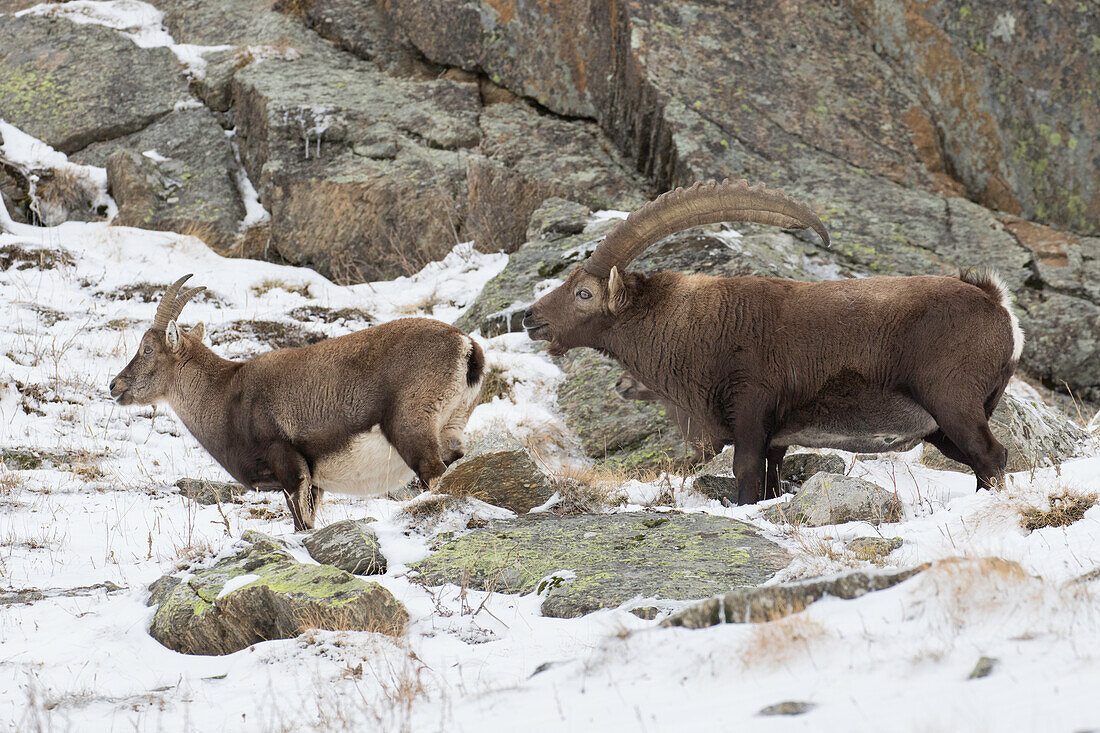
{"x": 764, "y": 363}
{"x": 351, "y": 414}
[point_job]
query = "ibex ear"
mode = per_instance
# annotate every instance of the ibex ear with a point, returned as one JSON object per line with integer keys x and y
{"x": 172, "y": 335}
{"x": 197, "y": 331}
{"x": 617, "y": 297}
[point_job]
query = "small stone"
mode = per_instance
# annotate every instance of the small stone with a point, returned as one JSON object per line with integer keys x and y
{"x": 386, "y": 150}
{"x": 829, "y": 498}
{"x": 647, "y": 613}
{"x": 983, "y": 668}
{"x": 789, "y": 707}
{"x": 799, "y": 467}
{"x": 350, "y": 545}
{"x": 874, "y": 546}
{"x": 210, "y": 492}
{"x": 720, "y": 488}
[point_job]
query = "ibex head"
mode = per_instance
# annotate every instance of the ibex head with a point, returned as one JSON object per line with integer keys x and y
{"x": 599, "y": 290}
{"x": 147, "y": 378}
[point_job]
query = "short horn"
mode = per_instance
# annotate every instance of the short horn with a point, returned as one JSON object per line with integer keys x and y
{"x": 703, "y": 203}
{"x": 172, "y": 303}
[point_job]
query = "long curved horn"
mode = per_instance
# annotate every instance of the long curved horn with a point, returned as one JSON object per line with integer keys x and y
{"x": 172, "y": 303}
{"x": 703, "y": 203}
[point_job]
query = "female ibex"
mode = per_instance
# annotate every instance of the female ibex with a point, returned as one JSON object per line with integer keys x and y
{"x": 763, "y": 363}
{"x": 351, "y": 414}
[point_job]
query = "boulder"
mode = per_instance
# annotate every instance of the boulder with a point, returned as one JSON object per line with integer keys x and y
{"x": 719, "y": 488}
{"x": 829, "y": 498}
{"x": 262, "y": 593}
{"x": 771, "y": 602}
{"x": 1034, "y": 435}
{"x": 72, "y": 85}
{"x": 594, "y": 561}
{"x": 498, "y": 471}
{"x": 193, "y": 191}
{"x": 626, "y": 434}
{"x": 350, "y": 545}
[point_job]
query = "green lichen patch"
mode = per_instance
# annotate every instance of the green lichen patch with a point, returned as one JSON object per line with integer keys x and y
{"x": 615, "y": 557}
{"x": 284, "y": 598}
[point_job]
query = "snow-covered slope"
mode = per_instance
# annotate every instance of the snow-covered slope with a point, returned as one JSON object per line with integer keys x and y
{"x": 100, "y": 509}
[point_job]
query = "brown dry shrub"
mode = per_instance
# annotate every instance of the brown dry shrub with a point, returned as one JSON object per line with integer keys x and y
{"x": 1066, "y": 508}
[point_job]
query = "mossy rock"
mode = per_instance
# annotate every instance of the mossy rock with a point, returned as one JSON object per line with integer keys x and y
{"x": 627, "y": 434}
{"x": 280, "y": 599}
{"x": 614, "y": 557}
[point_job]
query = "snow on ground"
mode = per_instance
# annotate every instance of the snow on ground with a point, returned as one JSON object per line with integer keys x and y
{"x": 101, "y": 509}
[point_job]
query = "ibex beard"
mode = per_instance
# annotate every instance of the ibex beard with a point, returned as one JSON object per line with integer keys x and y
{"x": 357, "y": 414}
{"x": 867, "y": 365}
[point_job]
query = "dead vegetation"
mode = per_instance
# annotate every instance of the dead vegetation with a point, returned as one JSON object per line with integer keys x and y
{"x": 320, "y": 313}
{"x": 274, "y": 334}
{"x": 1063, "y": 509}
{"x": 22, "y": 258}
{"x": 497, "y": 384}
{"x": 778, "y": 643}
{"x": 147, "y": 292}
{"x": 587, "y": 490}
{"x": 267, "y": 286}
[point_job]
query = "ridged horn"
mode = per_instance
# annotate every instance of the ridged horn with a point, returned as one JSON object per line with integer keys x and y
{"x": 703, "y": 203}
{"x": 172, "y": 303}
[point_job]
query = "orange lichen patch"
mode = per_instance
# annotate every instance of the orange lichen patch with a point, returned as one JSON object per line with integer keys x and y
{"x": 998, "y": 195}
{"x": 923, "y": 134}
{"x": 506, "y": 9}
{"x": 1049, "y": 245}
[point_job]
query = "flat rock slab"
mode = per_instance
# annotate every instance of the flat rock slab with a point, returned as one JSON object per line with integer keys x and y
{"x": 71, "y": 85}
{"x": 771, "y": 602}
{"x": 1033, "y": 434}
{"x": 350, "y": 545}
{"x": 614, "y": 558}
{"x": 262, "y": 593}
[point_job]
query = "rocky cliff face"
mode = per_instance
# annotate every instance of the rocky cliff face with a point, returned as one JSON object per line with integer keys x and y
{"x": 928, "y": 135}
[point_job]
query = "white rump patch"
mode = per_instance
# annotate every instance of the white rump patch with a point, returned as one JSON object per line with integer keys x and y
{"x": 369, "y": 466}
{"x": 1006, "y": 303}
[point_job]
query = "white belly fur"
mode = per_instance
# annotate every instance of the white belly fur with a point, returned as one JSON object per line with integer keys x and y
{"x": 369, "y": 466}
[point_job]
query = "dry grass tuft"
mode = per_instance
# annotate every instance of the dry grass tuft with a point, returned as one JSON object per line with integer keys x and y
{"x": 587, "y": 490}
{"x": 1065, "y": 508}
{"x": 430, "y": 508}
{"x": 497, "y": 384}
{"x": 267, "y": 286}
{"x": 777, "y": 643}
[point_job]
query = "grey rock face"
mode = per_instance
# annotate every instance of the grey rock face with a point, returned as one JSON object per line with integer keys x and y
{"x": 613, "y": 556}
{"x": 1034, "y": 435}
{"x": 829, "y": 498}
{"x": 278, "y": 599}
{"x": 350, "y": 545}
{"x": 71, "y": 85}
{"x": 194, "y": 190}
{"x": 771, "y": 602}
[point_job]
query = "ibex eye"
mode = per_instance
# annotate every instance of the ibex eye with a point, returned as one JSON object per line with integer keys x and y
{"x": 147, "y": 350}
{"x": 583, "y": 294}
